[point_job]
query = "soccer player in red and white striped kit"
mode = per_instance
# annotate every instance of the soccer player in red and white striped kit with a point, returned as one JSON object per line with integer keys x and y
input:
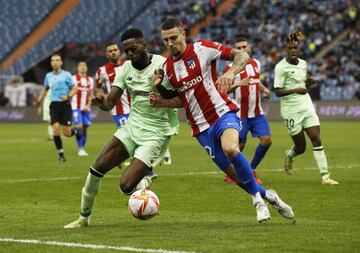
{"x": 246, "y": 89}
{"x": 189, "y": 80}
{"x": 80, "y": 104}
{"x": 105, "y": 76}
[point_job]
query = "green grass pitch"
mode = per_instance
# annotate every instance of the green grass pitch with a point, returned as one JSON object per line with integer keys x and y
{"x": 199, "y": 212}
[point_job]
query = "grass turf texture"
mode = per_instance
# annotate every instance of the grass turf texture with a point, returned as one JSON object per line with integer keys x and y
{"x": 198, "y": 212}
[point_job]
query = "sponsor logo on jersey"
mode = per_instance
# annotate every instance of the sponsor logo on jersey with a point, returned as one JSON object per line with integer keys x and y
{"x": 190, "y": 84}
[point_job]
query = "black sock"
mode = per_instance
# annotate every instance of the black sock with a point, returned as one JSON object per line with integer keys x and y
{"x": 58, "y": 144}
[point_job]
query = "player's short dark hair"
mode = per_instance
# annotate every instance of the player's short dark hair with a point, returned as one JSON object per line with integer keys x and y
{"x": 56, "y": 54}
{"x": 110, "y": 43}
{"x": 132, "y": 33}
{"x": 241, "y": 39}
{"x": 170, "y": 23}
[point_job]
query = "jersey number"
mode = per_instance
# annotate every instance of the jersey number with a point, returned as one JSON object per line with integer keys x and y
{"x": 289, "y": 123}
{"x": 209, "y": 151}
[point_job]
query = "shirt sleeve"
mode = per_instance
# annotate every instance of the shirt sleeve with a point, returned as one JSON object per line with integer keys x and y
{"x": 165, "y": 82}
{"x": 46, "y": 81}
{"x": 279, "y": 78}
{"x": 119, "y": 80}
{"x": 69, "y": 80}
{"x": 216, "y": 50}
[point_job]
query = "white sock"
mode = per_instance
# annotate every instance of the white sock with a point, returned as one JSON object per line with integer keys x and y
{"x": 321, "y": 161}
{"x": 291, "y": 153}
{"x": 167, "y": 153}
{"x": 143, "y": 184}
{"x": 257, "y": 199}
{"x": 84, "y": 218}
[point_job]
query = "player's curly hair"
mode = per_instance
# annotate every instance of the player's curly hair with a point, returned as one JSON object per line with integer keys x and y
{"x": 294, "y": 37}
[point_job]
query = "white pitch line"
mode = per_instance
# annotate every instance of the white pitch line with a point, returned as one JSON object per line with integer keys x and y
{"x": 89, "y": 246}
{"x": 196, "y": 173}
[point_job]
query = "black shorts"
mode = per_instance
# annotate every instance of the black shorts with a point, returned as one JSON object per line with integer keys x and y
{"x": 60, "y": 112}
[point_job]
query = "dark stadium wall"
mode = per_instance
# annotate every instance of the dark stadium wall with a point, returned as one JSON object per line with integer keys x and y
{"x": 327, "y": 110}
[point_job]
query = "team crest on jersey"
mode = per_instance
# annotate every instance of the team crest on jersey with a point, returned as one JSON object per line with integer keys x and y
{"x": 190, "y": 63}
{"x": 129, "y": 78}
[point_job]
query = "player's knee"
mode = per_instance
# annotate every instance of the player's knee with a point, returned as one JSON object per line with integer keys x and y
{"x": 266, "y": 142}
{"x": 316, "y": 142}
{"x": 300, "y": 149}
{"x": 126, "y": 187}
{"x": 231, "y": 150}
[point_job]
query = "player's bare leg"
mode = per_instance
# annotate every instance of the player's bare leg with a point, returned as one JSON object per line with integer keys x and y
{"x": 134, "y": 177}
{"x": 297, "y": 149}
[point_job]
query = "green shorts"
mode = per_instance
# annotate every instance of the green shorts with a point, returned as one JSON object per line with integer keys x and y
{"x": 147, "y": 146}
{"x": 296, "y": 122}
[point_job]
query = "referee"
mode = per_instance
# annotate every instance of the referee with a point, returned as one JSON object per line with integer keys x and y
{"x": 62, "y": 88}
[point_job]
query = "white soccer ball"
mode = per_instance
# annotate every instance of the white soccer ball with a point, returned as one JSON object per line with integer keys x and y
{"x": 144, "y": 204}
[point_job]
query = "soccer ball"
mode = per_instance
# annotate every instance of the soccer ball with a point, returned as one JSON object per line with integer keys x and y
{"x": 144, "y": 204}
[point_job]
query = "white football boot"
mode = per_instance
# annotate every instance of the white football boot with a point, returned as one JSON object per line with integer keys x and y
{"x": 262, "y": 212}
{"x": 281, "y": 207}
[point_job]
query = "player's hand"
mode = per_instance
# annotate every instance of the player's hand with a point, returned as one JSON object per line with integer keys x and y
{"x": 98, "y": 100}
{"x": 301, "y": 91}
{"x": 154, "y": 99}
{"x": 310, "y": 80}
{"x": 65, "y": 98}
{"x": 36, "y": 101}
{"x": 267, "y": 94}
{"x": 224, "y": 82}
{"x": 99, "y": 82}
{"x": 157, "y": 77}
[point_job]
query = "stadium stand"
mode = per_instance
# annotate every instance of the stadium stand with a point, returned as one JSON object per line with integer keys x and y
{"x": 18, "y": 18}
{"x": 93, "y": 22}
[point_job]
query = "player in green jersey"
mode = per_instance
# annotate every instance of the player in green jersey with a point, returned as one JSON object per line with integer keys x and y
{"x": 146, "y": 134}
{"x": 291, "y": 84}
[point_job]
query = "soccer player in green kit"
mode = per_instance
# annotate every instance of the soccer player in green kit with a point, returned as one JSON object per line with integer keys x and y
{"x": 146, "y": 134}
{"x": 291, "y": 83}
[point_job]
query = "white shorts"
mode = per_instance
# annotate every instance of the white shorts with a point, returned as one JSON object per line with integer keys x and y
{"x": 296, "y": 122}
{"x": 147, "y": 146}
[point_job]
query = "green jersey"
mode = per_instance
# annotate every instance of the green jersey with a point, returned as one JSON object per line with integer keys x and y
{"x": 138, "y": 82}
{"x": 289, "y": 76}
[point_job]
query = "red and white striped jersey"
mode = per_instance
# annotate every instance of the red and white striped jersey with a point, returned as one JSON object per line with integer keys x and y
{"x": 107, "y": 74}
{"x": 248, "y": 97}
{"x": 84, "y": 87}
{"x": 193, "y": 76}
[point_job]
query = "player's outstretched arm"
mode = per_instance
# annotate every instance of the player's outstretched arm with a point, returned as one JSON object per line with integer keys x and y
{"x": 240, "y": 59}
{"x": 106, "y": 103}
{"x": 41, "y": 95}
{"x": 156, "y": 80}
{"x": 157, "y": 101}
{"x": 281, "y": 92}
{"x": 310, "y": 81}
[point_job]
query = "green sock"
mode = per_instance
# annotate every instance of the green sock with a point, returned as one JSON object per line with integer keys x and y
{"x": 50, "y": 132}
{"x": 291, "y": 154}
{"x": 145, "y": 183}
{"x": 89, "y": 191}
{"x": 321, "y": 161}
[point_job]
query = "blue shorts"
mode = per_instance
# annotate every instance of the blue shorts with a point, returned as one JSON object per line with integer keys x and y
{"x": 120, "y": 119}
{"x": 81, "y": 117}
{"x": 258, "y": 126}
{"x": 210, "y": 138}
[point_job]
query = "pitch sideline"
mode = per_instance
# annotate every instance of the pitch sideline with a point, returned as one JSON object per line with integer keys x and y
{"x": 89, "y": 246}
